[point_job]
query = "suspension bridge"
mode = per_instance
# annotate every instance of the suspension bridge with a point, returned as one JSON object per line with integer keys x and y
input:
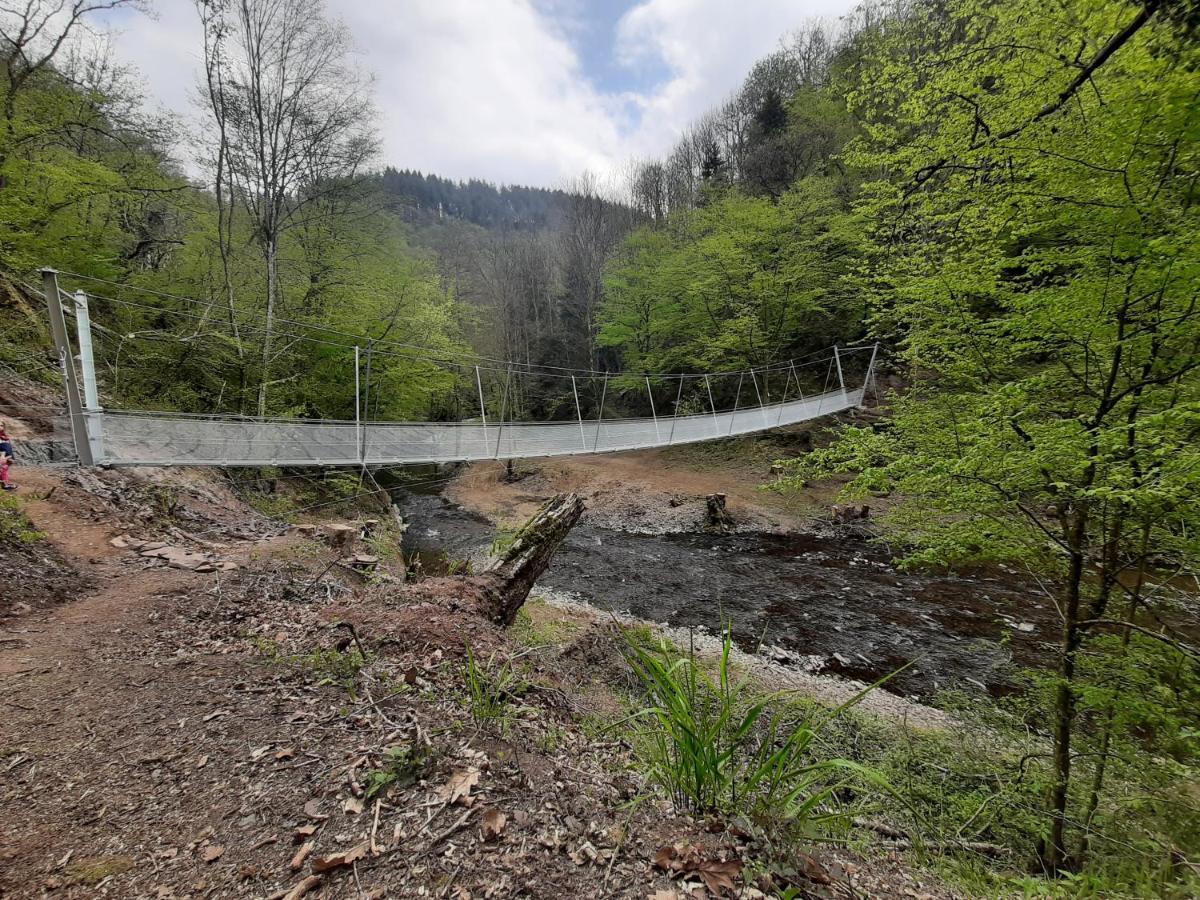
{"x": 122, "y": 437}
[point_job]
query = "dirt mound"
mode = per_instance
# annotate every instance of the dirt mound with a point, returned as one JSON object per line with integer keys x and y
{"x": 34, "y": 573}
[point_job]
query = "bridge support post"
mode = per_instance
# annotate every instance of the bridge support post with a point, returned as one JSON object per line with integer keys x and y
{"x": 837, "y": 358}
{"x": 600, "y": 415}
{"x": 358, "y": 428}
{"x": 870, "y": 375}
{"x": 787, "y": 384}
{"x": 503, "y": 407}
{"x": 482, "y": 408}
{"x": 712, "y": 406}
{"x": 58, "y": 328}
{"x": 87, "y": 365}
{"x": 737, "y": 398}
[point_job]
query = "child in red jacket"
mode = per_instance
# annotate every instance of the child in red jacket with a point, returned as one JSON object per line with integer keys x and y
{"x": 6, "y": 459}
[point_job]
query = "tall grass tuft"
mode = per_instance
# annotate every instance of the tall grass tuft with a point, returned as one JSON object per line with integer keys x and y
{"x": 721, "y": 745}
{"x": 490, "y": 687}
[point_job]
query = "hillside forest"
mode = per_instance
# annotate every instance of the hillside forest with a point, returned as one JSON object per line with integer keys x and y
{"x": 1005, "y": 195}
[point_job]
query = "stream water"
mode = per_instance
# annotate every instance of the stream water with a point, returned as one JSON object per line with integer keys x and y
{"x": 829, "y": 603}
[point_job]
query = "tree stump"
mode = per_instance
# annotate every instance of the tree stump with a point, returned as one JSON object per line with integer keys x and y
{"x": 340, "y": 536}
{"x": 716, "y": 514}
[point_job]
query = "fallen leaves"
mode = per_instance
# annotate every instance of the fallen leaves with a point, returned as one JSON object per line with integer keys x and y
{"x": 493, "y": 825}
{"x": 312, "y": 809}
{"x": 337, "y": 860}
{"x": 813, "y": 870}
{"x": 458, "y": 789}
{"x": 213, "y": 852}
{"x": 686, "y": 859}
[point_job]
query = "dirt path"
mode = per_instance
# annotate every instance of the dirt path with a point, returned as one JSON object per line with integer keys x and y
{"x": 64, "y": 641}
{"x": 89, "y": 711}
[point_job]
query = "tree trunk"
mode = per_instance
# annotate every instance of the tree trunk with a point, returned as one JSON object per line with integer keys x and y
{"x": 1110, "y": 713}
{"x": 507, "y": 580}
{"x": 271, "y": 252}
{"x": 1054, "y": 852}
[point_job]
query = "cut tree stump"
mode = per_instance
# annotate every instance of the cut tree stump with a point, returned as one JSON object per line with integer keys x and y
{"x": 715, "y": 513}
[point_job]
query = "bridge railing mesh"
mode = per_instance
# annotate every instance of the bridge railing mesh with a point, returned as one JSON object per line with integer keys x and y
{"x": 126, "y": 438}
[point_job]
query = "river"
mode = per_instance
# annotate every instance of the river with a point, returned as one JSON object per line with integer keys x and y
{"x": 828, "y": 602}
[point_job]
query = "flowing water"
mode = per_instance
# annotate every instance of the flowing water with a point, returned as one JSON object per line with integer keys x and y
{"x": 830, "y": 603}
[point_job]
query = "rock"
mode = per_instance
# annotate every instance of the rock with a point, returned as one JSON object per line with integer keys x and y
{"x": 152, "y": 545}
{"x": 176, "y": 557}
{"x": 303, "y": 529}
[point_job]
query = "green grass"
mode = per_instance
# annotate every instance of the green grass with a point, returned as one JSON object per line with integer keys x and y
{"x": 491, "y": 687}
{"x": 14, "y": 524}
{"x": 718, "y": 744}
{"x": 545, "y": 630}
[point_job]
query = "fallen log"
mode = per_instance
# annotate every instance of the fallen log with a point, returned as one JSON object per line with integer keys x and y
{"x": 508, "y": 578}
{"x": 449, "y": 611}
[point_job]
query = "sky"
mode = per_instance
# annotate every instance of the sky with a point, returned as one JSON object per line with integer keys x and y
{"x": 514, "y": 91}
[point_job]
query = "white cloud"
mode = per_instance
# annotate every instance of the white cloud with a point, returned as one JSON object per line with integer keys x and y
{"x": 495, "y": 88}
{"x": 709, "y": 46}
{"x": 482, "y": 89}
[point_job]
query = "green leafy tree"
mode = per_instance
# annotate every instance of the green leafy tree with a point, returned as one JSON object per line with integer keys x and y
{"x": 1036, "y": 259}
{"x": 742, "y": 282}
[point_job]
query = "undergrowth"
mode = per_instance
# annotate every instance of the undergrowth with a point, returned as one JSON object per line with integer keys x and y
{"x": 14, "y": 524}
{"x": 492, "y": 686}
{"x": 973, "y": 805}
{"x": 402, "y": 765}
{"x": 327, "y": 665}
{"x": 719, "y": 744}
